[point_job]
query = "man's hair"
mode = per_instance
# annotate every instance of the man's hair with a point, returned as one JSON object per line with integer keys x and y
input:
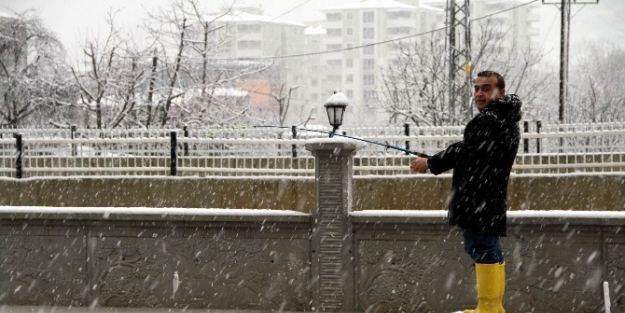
{"x": 501, "y": 83}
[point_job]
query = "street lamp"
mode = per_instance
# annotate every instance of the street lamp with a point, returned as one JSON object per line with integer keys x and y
{"x": 335, "y": 106}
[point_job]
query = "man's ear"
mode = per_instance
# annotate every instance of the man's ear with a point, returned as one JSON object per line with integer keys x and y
{"x": 502, "y": 93}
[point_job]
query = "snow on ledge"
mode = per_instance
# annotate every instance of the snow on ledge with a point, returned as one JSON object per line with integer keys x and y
{"x": 336, "y": 140}
{"x": 399, "y": 213}
{"x": 145, "y": 213}
{"x": 515, "y": 217}
{"x": 567, "y": 214}
{"x": 511, "y": 214}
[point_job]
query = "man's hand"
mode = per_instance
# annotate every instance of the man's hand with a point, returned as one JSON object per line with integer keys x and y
{"x": 419, "y": 165}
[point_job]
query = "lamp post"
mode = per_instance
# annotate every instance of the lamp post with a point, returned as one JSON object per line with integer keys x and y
{"x": 335, "y": 106}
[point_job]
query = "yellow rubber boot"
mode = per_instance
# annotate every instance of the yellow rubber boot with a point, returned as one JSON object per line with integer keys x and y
{"x": 489, "y": 289}
{"x": 502, "y": 287}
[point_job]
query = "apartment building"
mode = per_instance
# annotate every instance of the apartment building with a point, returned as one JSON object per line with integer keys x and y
{"x": 355, "y": 30}
{"x": 514, "y": 21}
{"x": 245, "y": 35}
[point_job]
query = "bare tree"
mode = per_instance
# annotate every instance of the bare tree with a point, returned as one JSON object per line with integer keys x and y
{"x": 597, "y": 92}
{"x": 175, "y": 79}
{"x": 185, "y": 36}
{"x": 30, "y": 70}
{"x": 415, "y": 87}
{"x": 109, "y": 82}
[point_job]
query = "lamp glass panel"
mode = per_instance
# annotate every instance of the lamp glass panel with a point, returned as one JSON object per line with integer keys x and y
{"x": 330, "y": 115}
{"x": 339, "y": 115}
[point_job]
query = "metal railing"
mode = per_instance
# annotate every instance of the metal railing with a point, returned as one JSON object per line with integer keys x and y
{"x": 248, "y": 151}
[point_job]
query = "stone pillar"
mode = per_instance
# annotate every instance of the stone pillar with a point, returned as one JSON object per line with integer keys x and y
{"x": 332, "y": 235}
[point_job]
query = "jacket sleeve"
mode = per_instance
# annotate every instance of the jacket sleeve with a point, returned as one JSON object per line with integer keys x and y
{"x": 478, "y": 141}
{"x": 446, "y": 159}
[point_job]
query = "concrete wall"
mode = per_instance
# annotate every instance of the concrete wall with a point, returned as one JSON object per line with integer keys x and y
{"x": 552, "y": 264}
{"x": 601, "y": 192}
{"x": 279, "y": 194}
{"x": 399, "y": 262}
{"x": 97, "y": 258}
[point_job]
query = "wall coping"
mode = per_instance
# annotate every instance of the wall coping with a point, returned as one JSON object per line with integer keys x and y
{"x": 151, "y": 214}
{"x": 160, "y": 178}
{"x": 298, "y": 178}
{"x": 555, "y": 217}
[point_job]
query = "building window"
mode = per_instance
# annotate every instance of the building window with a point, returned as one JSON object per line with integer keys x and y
{"x": 350, "y": 32}
{"x": 368, "y": 79}
{"x": 350, "y": 93}
{"x": 333, "y": 16}
{"x": 397, "y": 46}
{"x": 334, "y": 78}
{"x": 334, "y": 63}
{"x": 248, "y": 44}
{"x": 314, "y": 83}
{"x": 368, "y": 33}
{"x": 399, "y": 14}
{"x": 349, "y": 16}
{"x": 349, "y": 78}
{"x": 368, "y": 64}
{"x": 315, "y": 96}
{"x": 334, "y": 32}
{"x": 399, "y": 30}
{"x": 368, "y": 50}
{"x": 247, "y": 28}
{"x": 368, "y": 95}
{"x": 367, "y": 17}
{"x": 349, "y": 63}
{"x": 334, "y": 47}
{"x": 396, "y": 62}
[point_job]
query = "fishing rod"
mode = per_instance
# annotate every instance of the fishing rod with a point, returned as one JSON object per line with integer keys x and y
{"x": 333, "y": 133}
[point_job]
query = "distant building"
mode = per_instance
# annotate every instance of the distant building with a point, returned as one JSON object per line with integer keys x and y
{"x": 313, "y": 76}
{"x": 245, "y": 34}
{"x": 356, "y": 71}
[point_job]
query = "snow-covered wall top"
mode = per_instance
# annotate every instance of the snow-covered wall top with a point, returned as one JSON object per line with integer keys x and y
{"x": 149, "y": 214}
{"x": 514, "y": 217}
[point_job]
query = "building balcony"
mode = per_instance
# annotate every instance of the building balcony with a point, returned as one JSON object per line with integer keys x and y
{"x": 335, "y": 40}
{"x": 401, "y": 23}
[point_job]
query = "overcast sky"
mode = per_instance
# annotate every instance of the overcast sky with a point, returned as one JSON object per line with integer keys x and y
{"x": 74, "y": 20}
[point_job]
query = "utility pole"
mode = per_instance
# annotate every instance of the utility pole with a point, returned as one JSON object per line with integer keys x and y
{"x": 565, "y": 35}
{"x": 459, "y": 58}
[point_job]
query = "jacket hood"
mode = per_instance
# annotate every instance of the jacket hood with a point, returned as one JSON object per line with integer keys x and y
{"x": 508, "y": 107}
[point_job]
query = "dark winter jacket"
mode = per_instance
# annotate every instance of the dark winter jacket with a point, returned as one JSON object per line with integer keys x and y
{"x": 482, "y": 164}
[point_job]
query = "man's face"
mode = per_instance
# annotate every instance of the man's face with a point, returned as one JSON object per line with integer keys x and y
{"x": 485, "y": 91}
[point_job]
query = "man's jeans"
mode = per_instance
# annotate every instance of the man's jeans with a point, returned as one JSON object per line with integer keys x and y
{"x": 482, "y": 249}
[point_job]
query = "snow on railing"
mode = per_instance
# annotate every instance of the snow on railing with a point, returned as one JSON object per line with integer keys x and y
{"x": 248, "y": 151}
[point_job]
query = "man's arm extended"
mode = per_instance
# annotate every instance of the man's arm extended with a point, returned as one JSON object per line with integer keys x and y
{"x": 477, "y": 142}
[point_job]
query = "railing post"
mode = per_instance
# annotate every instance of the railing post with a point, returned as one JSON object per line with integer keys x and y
{"x": 407, "y": 134}
{"x": 19, "y": 160}
{"x": 72, "y": 130}
{"x": 526, "y": 142}
{"x": 185, "y": 130}
{"x": 538, "y": 126}
{"x": 332, "y": 247}
{"x": 294, "y": 135}
{"x": 173, "y": 163}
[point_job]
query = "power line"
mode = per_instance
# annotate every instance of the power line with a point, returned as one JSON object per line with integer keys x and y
{"x": 374, "y": 43}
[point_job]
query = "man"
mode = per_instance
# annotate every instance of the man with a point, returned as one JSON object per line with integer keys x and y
{"x": 482, "y": 164}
